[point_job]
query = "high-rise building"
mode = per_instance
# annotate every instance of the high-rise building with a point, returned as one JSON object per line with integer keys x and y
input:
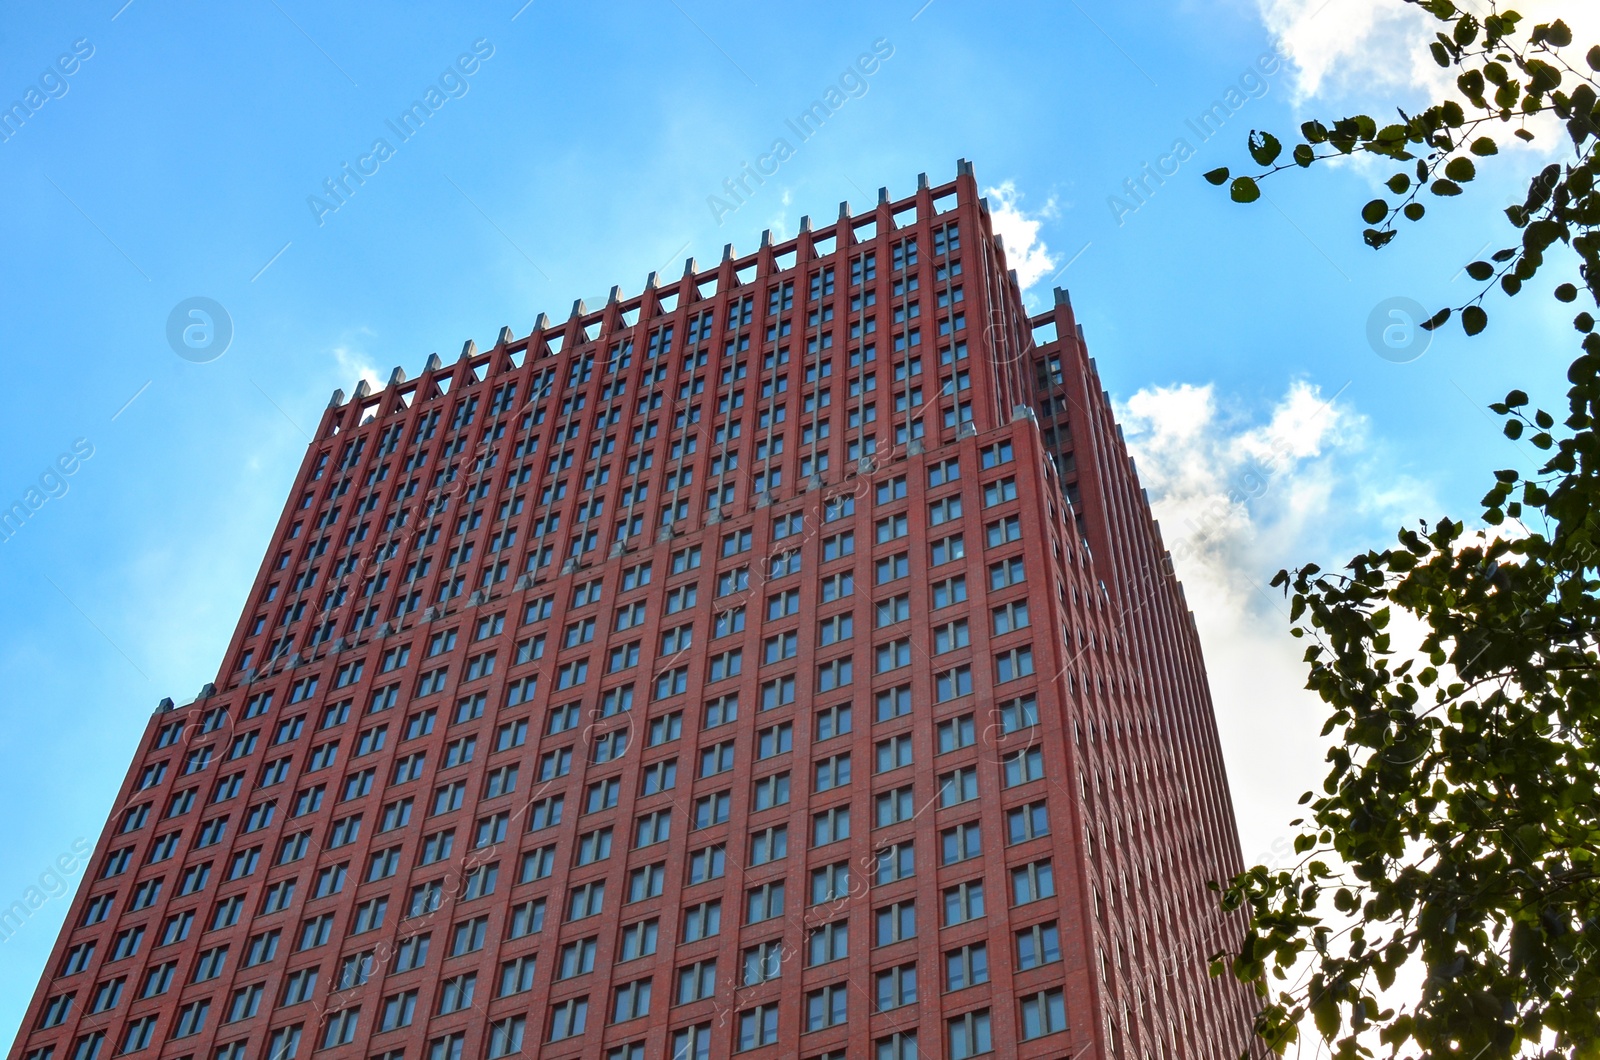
{"x": 782, "y": 662}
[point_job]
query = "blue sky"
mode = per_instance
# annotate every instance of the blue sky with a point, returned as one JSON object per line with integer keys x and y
{"x": 177, "y": 161}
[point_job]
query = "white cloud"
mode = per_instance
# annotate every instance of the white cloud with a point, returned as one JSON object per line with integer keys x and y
{"x": 1238, "y": 498}
{"x": 1025, "y": 249}
{"x": 355, "y": 364}
{"x": 1368, "y": 49}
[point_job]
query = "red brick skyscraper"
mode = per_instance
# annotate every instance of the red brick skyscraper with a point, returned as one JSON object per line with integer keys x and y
{"x": 782, "y": 662}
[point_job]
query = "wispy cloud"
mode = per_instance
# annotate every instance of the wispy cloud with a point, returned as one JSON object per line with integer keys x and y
{"x": 1238, "y": 497}
{"x": 355, "y": 363}
{"x": 1369, "y": 49}
{"x": 1025, "y": 248}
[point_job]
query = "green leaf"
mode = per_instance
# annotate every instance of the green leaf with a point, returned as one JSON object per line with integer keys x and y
{"x": 1436, "y": 321}
{"x": 1474, "y": 319}
{"x": 1584, "y": 322}
{"x": 1593, "y": 58}
{"x": 1264, "y": 147}
{"x": 1515, "y": 399}
{"x": 1304, "y": 155}
{"x": 1460, "y": 169}
{"x": 1566, "y": 293}
{"x": 1414, "y": 211}
{"x": 1317, "y": 133}
{"x": 1480, "y": 270}
{"x": 1444, "y": 188}
{"x": 1484, "y": 145}
{"x": 1217, "y": 176}
{"x": 1399, "y": 183}
{"x": 1374, "y": 211}
{"x": 1244, "y": 189}
{"x": 1557, "y": 33}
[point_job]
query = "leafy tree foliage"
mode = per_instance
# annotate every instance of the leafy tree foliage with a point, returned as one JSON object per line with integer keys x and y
{"x": 1456, "y": 837}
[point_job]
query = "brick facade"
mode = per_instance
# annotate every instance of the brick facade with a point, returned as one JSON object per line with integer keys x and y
{"x": 822, "y": 573}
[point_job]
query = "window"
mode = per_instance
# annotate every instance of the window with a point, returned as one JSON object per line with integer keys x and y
{"x": 586, "y": 900}
{"x": 969, "y": 1035}
{"x": 968, "y": 966}
{"x": 893, "y": 568}
{"x": 639, "y": 940}
{"x": 832, "y": 675}
{"x": 958, "y": 786}
{"x": 1011, "y": 665}
{"x": 369, "y": 916}
{"x": 956, "y": 733}
{"x": 830, "y": 826}
{"x": 893, "y": 753}
{"x": 894, "y": 806}
{"x": 950, "y": 591}
{"x": 1009, "y": 618}
{"x": 953, "y": 683}
{"x": 191, "y": 1021}
{"x": 948, "y": 549}
{"x": 1043, "y": 1013}
{"x": 764, "y": 903}
{"x": 757, "y": 1027}
{"x": 763, "y": 963}
{"x": 1032, "y": 881}
{"x": 771, "y": 791}
{"x": 1027, "y": 822}
{"x": 647, "y": 881}
{"x": 896, "y": 923}
{"x": 469, "y": 936}
{"x": 527, "y": 918}
{"x": 411, "y": 953}
{"x": 831, "y": 772}
{"x": 945, "y": 510}
{"x": 834, "y": 721}
{"x": 1038, "y": 945}
{"x": 829, "y": 883}
{"x": 1024, "y": 766}
{"x": 896, "y": 987}
{"x": 769, "y": 845}
{"x": 961, "y": 843}
{"x": 827, "y": 1007}
{"x": 711, "y": 809}
{"x": 300, "y": 986}
{"x": 701, "y": 921}
{"x": 631, "y": 1000}
{"x": 896, "y": 862}
{"x": 1020, "y": 713}
{"x": 963, "y": 902}
{"x": 775, "y": 740}
{"x": 1007, "y": 572}
{"x": 894, "y": 703}
{"x": 665, "y": 729}
{"x": 567, "y": 1019}
{"x": 718, "y": 758}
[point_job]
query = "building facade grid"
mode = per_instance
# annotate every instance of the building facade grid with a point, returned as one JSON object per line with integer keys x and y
{"x": 782, "y": 662}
